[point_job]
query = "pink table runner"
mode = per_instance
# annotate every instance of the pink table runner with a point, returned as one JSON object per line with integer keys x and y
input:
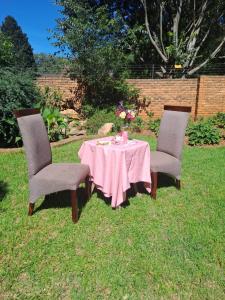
{"x": 114, "y": 167}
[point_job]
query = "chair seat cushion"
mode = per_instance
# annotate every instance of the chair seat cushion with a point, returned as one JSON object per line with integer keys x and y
{"x": 165, "y": 163}
{"x": 57, "y": 177}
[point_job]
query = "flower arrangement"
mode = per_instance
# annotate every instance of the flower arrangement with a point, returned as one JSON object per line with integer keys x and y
{"x": 125, "y": 114}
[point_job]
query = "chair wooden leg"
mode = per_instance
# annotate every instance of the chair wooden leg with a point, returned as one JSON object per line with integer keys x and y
{"x": 74, "y": 204}
{"x": 154, "y": 177}
{"x": 92, "y": 187}
{"x": 31, "y": 209}
{"x": 88, "y": 187}
{"x": 178, "y": 186}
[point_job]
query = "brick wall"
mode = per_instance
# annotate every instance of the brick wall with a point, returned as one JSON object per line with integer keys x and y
{"x": 206, "y": 95}
{"x": 159, "y": 92}
{"x": 64, "y": 85}
{"x": 211, "y": 97}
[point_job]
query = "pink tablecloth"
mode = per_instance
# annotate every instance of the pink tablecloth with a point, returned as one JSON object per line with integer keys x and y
{"x": 114, "y": 167}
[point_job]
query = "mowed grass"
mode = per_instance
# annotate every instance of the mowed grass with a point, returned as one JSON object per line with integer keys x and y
{"x": 171, "y": 248}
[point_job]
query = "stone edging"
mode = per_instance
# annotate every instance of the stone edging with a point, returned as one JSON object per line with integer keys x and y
{"x": 53, "y": 144}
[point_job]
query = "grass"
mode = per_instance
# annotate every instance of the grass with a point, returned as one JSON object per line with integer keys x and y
{"x": 172, "y": 248}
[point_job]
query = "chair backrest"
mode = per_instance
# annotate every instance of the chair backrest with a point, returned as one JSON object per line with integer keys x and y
{"x": 172, "y": 129}
{"x": 35, "y": 139}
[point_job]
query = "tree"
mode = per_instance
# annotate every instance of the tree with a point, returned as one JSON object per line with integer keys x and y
{"x": 23, "y": 53}
{"x": 17, "y": 90}
{"x": 169, "y": 32}
{"x": 47, "y": 63}
{"x": 6, "y": 51}
{"x": 92, "y": 41}
{"x": 185, "y": 32}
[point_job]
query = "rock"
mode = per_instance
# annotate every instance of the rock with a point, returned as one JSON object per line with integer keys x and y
{"x": 75, "y": 131}
{"x": 83, "y": 122}
{"x": 72, "y": 124}
{"x": 70, "y": 113}
{"x": 106, "y": 128}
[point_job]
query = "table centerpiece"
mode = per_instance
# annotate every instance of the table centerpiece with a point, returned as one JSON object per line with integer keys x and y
{"x": 127, "y": 115}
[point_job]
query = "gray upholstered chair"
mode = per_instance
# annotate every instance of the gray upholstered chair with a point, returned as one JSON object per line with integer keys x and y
{"x": 46, "y": 177}
{"x": 167, "y": 157}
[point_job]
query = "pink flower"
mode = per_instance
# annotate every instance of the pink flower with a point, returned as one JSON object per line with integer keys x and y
{"x": 125, "y": 114}
{"x": 118, "y": 112}
{"x": 129, "y": 116}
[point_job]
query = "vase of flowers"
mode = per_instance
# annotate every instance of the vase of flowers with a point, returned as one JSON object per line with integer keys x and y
{"x": 127, "y": 115}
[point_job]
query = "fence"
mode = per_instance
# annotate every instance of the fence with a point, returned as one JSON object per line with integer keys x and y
{"x": 154, "y": 71}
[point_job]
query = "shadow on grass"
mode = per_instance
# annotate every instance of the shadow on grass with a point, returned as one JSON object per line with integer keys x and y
{"x": 3, "y": 189}
{"x": 62, "y": 200}
{"x": 131, "y": 193}
{"x": 163, "y": 181}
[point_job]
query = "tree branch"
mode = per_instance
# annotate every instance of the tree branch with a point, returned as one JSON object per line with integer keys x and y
{"x": 196, "y": 29}
{"x": 161, "y": 27}
{"x": 164, "y": 58}
{"x": 211, "y": 56}
{"x": 199, "y": 47}
{"x": 191, "y": 51}
{"x": 176, "y": 21}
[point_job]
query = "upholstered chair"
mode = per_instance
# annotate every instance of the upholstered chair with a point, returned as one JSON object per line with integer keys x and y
{"x": 46, "y": 177}
{"x": 167, "y": 157}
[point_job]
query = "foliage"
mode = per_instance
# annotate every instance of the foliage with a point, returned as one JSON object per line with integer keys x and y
{"x": 50, "y": 64}
{"x": 56, "y": 124}
{"x": 50, "y": 104}
{"x": 166, "y": 33}
{"x": 100, "y": 117}
{"x": 219, "y": 120}
{"x": 22, "y": 51}
{"x": 137, "y": 125}
{"x": 88, "y": 110}
{"x": 153, "y": 124}
{"x": 6, "y": 51}
{"x": 202, "y": 133}
{"x": 50, "y": 98}
{"x": 17, "y": 90}
{"x": 169, "y": 249}
{"x": 183, "y": 35}
{"x": 94, "y": 42}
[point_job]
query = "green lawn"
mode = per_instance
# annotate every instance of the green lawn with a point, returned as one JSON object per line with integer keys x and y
{"x": 171, "y": 248}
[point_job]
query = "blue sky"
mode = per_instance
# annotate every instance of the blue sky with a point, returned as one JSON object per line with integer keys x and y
{"x": 35, "y": 17}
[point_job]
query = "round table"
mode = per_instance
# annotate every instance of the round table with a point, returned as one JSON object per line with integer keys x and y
{"x": 113, "y": 167}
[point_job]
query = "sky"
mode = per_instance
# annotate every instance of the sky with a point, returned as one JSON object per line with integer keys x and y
{"x": 35, "y": 17}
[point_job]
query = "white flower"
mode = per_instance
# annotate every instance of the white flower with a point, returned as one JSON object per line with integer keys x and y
{"x": 122, "y": 115}
{"x": 133, "y": 114}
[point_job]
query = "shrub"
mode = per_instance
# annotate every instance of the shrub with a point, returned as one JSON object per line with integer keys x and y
{"x": 153, "y": 125}
{"x": 55, "y": 123}
{"x": 88, "y": 110}
{"x": 50, "y": 98}
{"x": 99, "y": 118}
{"x": 203, "y": 132}
{"x": 137, "y": 124}
{"x": 17, "y": 90}
{"x": 219, "y": 120}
